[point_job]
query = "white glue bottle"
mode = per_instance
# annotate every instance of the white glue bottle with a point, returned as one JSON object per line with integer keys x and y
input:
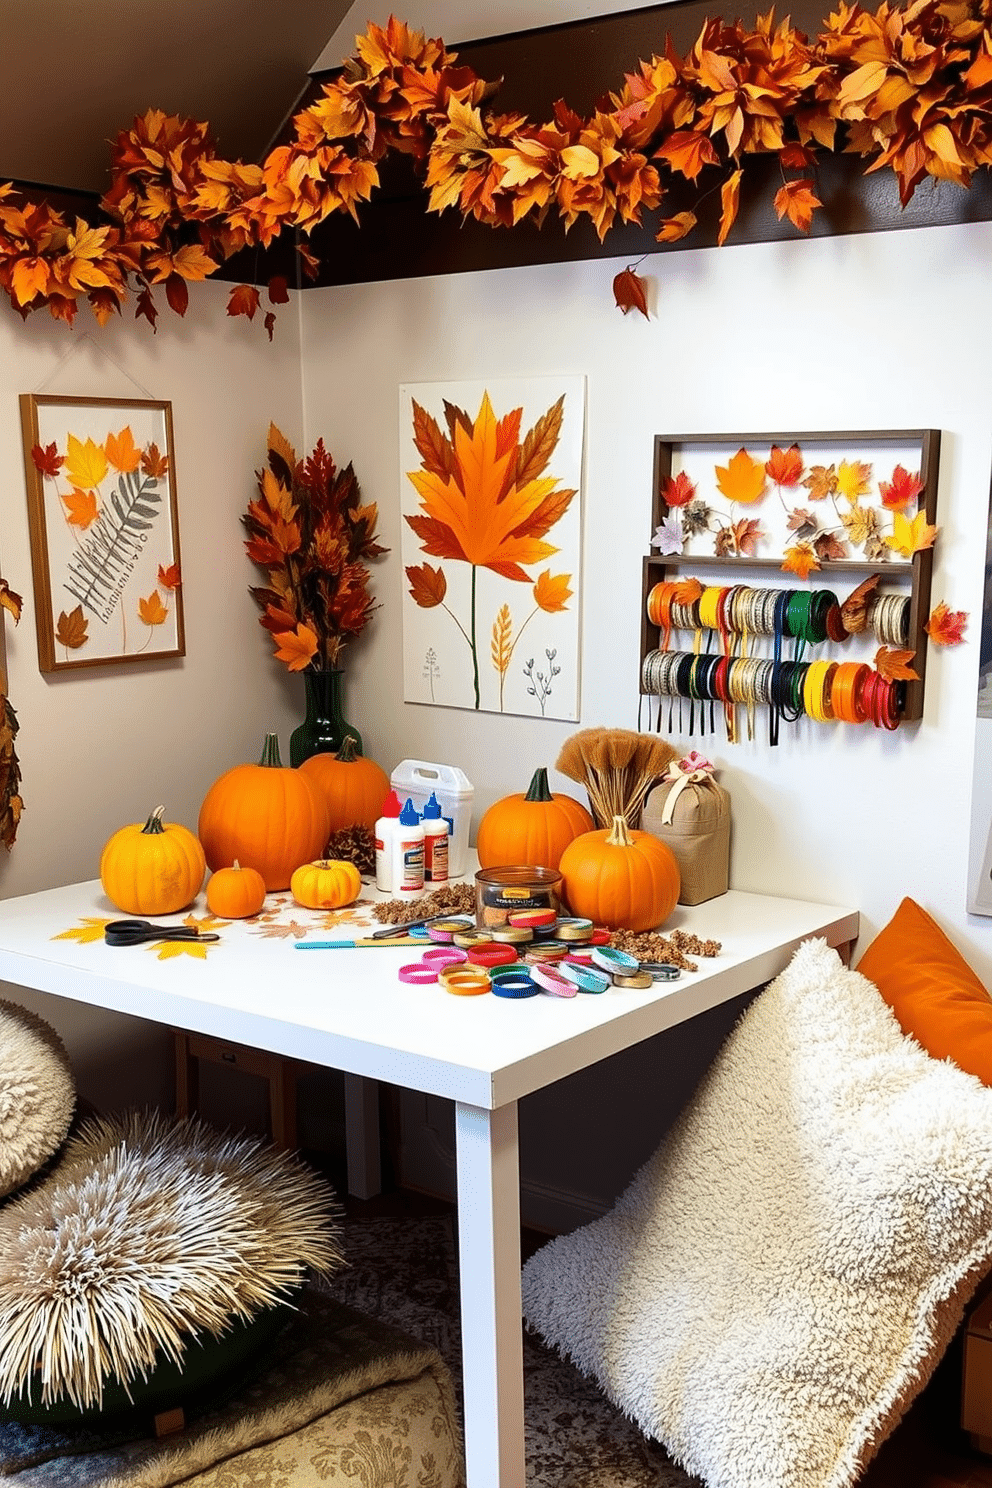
{"x": 408, "y": 854}
{"x": 385, "y": 830}
{"x": 435, "y": 842}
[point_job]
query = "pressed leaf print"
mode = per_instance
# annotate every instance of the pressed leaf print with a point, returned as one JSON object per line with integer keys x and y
{"x": 493, "y": 508}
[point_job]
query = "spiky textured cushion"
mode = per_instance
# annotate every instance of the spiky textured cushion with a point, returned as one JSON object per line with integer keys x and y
{"x": 37, "y": 1095}
{"x": 150, "y": 1233}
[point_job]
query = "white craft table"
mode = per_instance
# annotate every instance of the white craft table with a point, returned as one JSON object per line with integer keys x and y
{"x": 346, "y": 1009}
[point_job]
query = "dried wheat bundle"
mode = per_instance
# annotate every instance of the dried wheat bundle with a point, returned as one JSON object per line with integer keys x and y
{"x": 617, "y": 767}
{"x": 150, "y": 1232}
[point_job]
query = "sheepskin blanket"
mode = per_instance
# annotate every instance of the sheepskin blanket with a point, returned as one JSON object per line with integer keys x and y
{"x": 37, "y": 1095}
{"x": 149, "y": 1233}
{"x": 781, "y": 1278}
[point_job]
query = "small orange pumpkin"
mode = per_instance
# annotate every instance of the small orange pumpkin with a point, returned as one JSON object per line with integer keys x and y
{"x": 329, "y": 883}
{"x": 622, "y": 879}
{"x": 532, "y": 829}
{"x": 152, "y": 869}
{"x": 352, "y": 786}
{"x": 268, "y": 816}
{"x": 235, "y": 893}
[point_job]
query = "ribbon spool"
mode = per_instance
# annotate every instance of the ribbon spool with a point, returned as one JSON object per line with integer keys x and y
{"x": 513, "y": 982}
{"x": 585, "y": 977}
{"x": 551, "y": 979}
{"x": 463, "y": 981}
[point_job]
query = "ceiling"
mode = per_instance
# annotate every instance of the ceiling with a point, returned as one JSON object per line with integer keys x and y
{"x": 73, "y": 73}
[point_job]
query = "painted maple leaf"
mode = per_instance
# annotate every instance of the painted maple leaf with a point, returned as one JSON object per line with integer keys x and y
{"x": 677, "y": 490}
{"x": 785, "y": 467}
{"x": 946, "y": 627}
{"x": 901, "y": 490}
{"x": 910, "y": 536}
{"x": 742, "y": 479}
{"x": 801, "y": 560}
{"x": 487, "y": 505}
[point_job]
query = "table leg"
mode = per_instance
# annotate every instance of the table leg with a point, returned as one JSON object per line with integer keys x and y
{"x": 488, "y": 1169}
{"x": 361, "y": 1134}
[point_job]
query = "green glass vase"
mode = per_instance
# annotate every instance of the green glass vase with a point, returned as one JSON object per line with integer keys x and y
{"x": 324, "y": 727}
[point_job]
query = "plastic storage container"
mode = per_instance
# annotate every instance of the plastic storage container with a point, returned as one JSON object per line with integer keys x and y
{"x": 417, "y": 779}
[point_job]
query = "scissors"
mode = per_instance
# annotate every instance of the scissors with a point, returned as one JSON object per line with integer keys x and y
{"x": 134, "y": 932}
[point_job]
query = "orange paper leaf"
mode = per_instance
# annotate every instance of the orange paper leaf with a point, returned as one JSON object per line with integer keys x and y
{"x": 296, "y": 648}
{"x": 901, "y": 490}
{"x": 798, "y": 201}
{"x": 785, "y": 467}
{"x": 152, "y": 611}
{"x": 910, "y": 536}
{"x": 674, "y": 229}
{"x": 428, "y": 585}
{"x": 71, "y": 630}
{"x": 552, "y": 592}
{"x": 742, "y": 478}
{"x": 81, "y": 508}
{"x": 678, "y": 490}
{"x": 894, "y": 665}
{"x": 800, "y": 560}
{"x": 630, "y": 292}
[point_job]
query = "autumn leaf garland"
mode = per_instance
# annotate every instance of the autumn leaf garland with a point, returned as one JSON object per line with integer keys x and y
{"x": 11, "y": 804}
{"x": 909, "y": 90}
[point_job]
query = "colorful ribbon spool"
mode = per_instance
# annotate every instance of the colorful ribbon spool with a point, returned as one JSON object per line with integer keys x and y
{"x": 550, "y": 979}
{"x": 491, "y": 955}
{"x": 464, "y": 981}
{"x": 617, "y": 963}
{"x": 419, "y": 973}
{"x": 445, "y": 931}
{"x": 513, "y": 981}
{"x": 585, "y": 977}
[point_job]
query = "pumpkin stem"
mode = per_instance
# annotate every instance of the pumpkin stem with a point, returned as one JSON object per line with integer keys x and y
{"x": 270, "y": 752}
{"x": 620, "y": 835}
{"x": 346, "y": 754}
{"x": 154, "y": 822}
{"x": 539, "y": 790}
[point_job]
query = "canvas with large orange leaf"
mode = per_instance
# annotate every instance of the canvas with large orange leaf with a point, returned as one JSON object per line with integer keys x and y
{"x": 104, "y": 530}
{"x": 491, "y": 544}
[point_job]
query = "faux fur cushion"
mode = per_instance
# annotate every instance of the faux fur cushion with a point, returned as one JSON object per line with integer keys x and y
{"x": 781, "y": 1278}
{"x": 37, "y": 1095}
{"x": 149, "y": 1233}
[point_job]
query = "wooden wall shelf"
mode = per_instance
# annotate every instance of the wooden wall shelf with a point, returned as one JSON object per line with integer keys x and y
{"x": 686, "y": 452}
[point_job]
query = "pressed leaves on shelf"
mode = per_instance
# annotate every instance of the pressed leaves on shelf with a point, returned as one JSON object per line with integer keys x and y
{"x": 11, "y": 804}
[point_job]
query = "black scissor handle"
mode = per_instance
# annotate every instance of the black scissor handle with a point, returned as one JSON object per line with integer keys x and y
{"x": 135, "y": 932}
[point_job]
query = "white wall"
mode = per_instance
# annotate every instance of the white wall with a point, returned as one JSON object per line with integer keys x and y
{"x": 878, "y": 331}
{"x": 103, "y": 746}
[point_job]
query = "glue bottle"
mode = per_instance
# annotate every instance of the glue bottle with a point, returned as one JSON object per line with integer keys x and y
{"x": 385, "y": 830}
{"x": 435, "y": 842}
{"x": 408, "y": 854}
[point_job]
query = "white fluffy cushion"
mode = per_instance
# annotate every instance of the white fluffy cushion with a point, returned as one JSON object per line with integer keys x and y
{"x": 781, "y": 1278}
{"x": 37, "y": 1095}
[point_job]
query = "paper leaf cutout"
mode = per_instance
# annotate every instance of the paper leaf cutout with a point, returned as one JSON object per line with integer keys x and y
{"x": 800, "y": 560}
{"x": 72, "y": 630}
{"x": 946, "y": 627}
{"x": 901, "y": 490}
{"x": 678, "y": 490}
{"x": 785, "y": 467}
{"x": 630, "y": 292}
{"x": 894, "y": 665}
{"x": 742, "y": 479}
{"x": 166, "y": 950}
{"x": 88, "y": 930}
{"x": 911, "y": 536}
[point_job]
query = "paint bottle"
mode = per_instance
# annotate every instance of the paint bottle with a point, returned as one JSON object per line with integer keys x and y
{"x": 408, "y": 854}
{"x": 435, "y": 842}
{"x": 385, "y": 830}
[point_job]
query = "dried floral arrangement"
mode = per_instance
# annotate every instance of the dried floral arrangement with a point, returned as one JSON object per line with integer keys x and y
{"x": 311, "y": 534}
{"x": 617, "y": 767}
{"x": 909, "y": 90}
{"x": 11, "y": 804}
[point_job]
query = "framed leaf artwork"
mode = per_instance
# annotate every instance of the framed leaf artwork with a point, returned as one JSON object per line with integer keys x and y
{"x": 104, "y": 530}
{"x": 491, "y": 481}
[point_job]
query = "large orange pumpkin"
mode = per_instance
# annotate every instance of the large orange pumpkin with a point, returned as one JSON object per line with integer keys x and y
{"x": 267, "y": 816}
{"x": 622, "y": 879}
{"x": 532, "y": 829}
{"x": 352, "y": 786}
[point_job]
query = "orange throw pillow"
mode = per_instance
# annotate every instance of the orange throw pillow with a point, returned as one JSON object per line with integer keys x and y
{"x": 932, "y": 990}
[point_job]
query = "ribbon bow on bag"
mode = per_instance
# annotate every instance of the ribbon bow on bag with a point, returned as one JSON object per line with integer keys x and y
{"x": 689, "y": 771}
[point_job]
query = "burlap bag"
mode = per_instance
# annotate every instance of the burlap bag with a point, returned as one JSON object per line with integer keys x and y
{"x": 691, "y": 813}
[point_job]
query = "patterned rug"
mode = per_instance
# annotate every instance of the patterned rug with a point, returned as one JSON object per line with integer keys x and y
{"x": 405, "y": 1272}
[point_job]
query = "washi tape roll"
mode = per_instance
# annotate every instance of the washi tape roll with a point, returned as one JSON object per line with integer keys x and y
{"x": 574, "y": 928}
{"x": 466, "y": 938}
{"x": 585, "y": 977}
{"x": 531, "y": 919}
{"x": 511, "y": 983}
{"x": 446, "y": 930}
{"x": 638, "y": 979}
{"x": 578, "y": 956}
{"x": 549, "y": 978}
{"x": 418, "y": 973}
{"x": 464, "y": 981}
{"x": 491, "y": 955}
{"x": 512, "y": 934}
{"x": 549, "y": 952}
{"x": 444, "y": 955}
{"x": 661, "y": 971}
{"x": 608, "y": 958}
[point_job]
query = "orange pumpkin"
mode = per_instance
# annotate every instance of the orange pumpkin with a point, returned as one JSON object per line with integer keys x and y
{"x": 267, "y": 816}
{"x": 235, "y": 893}
{"x": 532, "y": 829}
{"x": 352, "y": 786}
{"x": 622, "y": 879}
{"x": 152, "y": 869}
{"x": 330, "y": 883}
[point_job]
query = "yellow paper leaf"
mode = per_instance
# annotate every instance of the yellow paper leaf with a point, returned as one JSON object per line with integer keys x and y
{"x": 88, "y": 930}
{"x": 85, "y": 463}
{"x": 910, "y": 536}
{"x": 167, "y": 949}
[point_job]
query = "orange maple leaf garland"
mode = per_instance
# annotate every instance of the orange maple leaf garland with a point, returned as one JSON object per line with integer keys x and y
{"x": 909, "y": 90}
{"x": 486, "y": 501}
{"x": 310, "y": 532}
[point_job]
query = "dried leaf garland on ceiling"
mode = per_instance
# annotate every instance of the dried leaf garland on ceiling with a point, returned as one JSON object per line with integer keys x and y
{"x": 909, "y": 90}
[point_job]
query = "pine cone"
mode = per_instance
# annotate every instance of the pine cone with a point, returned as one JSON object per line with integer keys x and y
{"x": 354, "y": 845}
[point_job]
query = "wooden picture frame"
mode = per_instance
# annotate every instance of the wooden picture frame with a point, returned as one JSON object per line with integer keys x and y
{"x": 104, "y": 530}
